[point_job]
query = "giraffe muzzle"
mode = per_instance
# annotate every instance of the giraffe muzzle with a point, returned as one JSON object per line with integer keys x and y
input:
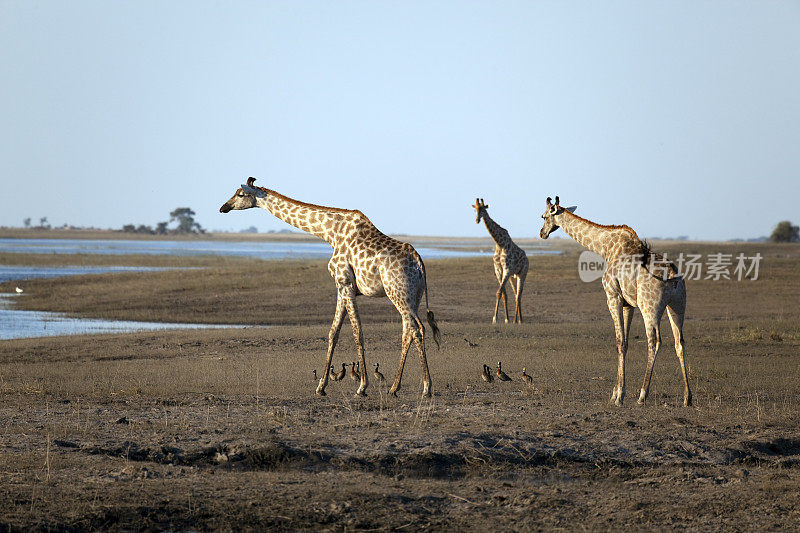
{"x": 225, "y": 208}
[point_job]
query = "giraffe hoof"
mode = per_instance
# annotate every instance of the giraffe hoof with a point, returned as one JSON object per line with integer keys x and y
{"x": 642, "y": 397}
{"x": 321, "y": 393}
{"x": 393, "y": 393}
{"x": 360, "y": 394}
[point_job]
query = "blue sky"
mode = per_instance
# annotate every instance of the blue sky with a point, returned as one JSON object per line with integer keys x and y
{"x": 676, "y": 118}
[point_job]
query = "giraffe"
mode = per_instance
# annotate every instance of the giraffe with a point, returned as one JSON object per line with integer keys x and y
{"x": 364, "y": 261}
{"x": 634, "y": 277}
{"x": 509, "y": 262}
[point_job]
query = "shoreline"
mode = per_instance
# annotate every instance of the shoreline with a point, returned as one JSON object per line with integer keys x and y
{"x": 555, "y": 241}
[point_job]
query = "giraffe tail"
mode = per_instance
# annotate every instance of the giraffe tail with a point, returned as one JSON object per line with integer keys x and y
{"x": 434, "y": 327}
{"x": 428, "y": 313}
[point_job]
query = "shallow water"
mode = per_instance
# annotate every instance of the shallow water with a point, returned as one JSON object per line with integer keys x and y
{"x": 260, "y": 250}
{"x": 15, "y": 324}
{"x": 22, "y": 272}
{"x": 18, "y": 324}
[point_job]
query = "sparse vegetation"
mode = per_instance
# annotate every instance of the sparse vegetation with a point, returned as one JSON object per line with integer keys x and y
{"x": 220, "y": 429}
{"x": 182, "y": 216}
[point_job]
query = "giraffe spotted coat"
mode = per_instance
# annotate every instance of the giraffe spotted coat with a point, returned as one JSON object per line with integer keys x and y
{"x": 364, "y": 261}
{"x": 635, "y": 277}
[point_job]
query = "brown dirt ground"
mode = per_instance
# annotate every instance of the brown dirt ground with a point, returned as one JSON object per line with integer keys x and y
{"x": 220, "y": 429}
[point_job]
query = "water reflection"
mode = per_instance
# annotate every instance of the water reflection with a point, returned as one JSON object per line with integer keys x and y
{"x": 19, "y": 324}
{"x": 22, "y": 272}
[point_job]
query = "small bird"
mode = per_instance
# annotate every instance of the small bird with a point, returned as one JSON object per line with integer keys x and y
{"x": 502, "y": 376}
{"x": 486, "y": 374}
{"x": 526, "y": 378}
{"x": 470, "y": 343}
{"x": 339, "y": 376}
{"x": 19, "y": 291}
{"x": 378, "y": 374}
{"x": 315, "y": 374}
{"x": 354, "y": 372}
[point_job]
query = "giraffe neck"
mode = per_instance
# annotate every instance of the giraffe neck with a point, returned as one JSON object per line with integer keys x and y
{"x": 324, "y": 222}
{"x": 498, "y": 233}
{"x": 602, "y": 240}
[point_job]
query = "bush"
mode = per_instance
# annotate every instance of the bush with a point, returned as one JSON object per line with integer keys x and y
{"x": 785, "y": 232}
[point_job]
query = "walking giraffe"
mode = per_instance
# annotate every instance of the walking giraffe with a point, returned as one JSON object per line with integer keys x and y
{"x": 634, "y": 277}
{"x": 509, "y": 262}
{"x": 364, "y": 261}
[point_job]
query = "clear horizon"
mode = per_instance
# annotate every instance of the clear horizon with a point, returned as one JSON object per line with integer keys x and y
{"x": 676, "y": 119}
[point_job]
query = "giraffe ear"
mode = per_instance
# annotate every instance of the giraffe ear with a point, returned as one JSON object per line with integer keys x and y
{"x": 255, "y": 191}
{"x": 572, "y": 208}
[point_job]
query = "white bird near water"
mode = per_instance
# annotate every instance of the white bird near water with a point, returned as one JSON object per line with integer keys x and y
{"x": 19, "y": 291}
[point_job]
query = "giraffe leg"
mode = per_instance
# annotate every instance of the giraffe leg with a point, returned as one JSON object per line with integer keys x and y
{"x": 418, "y": 334}
{"x": 407, "y": 337}
{"x": 333, "y": 337}
{"x": 505, "y": 303}
{"x": 518, "y": 296}
{"x": 512, "y": 283}
{"x": 652, "y": 328}
{"x": 617, "y": 314}
{"x": 355, "y": 322}
{"x": 501, "y": 292}
{"x": 675, "y": 314}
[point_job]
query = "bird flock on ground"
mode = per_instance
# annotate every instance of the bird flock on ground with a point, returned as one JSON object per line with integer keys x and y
{"x": 355, "y": 372}
{"x": 486, "y": 374}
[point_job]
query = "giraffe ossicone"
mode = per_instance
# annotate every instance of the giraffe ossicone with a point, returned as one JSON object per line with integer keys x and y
{"x": 364, "y": 261}
{"x": 635, "y": 277}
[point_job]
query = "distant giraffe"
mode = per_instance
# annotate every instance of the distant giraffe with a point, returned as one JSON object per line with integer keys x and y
{"x": 634, "y": 277}
{"x": 364, "y": 261}
{"x": 510, "y": 261}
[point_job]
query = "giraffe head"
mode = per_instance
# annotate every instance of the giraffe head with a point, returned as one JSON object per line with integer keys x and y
{"x": 480, "y": 209}
{"x": 552, "y": 210}
{"x": 244, "y": 198}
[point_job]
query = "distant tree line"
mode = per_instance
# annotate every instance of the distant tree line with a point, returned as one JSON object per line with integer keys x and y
{"x": 43, "y": 223}
{"x": 785, "y": 231}
{"x": 183, "y": 216}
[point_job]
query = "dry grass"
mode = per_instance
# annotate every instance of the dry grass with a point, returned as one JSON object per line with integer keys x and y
{"x": 219, "y": 429}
